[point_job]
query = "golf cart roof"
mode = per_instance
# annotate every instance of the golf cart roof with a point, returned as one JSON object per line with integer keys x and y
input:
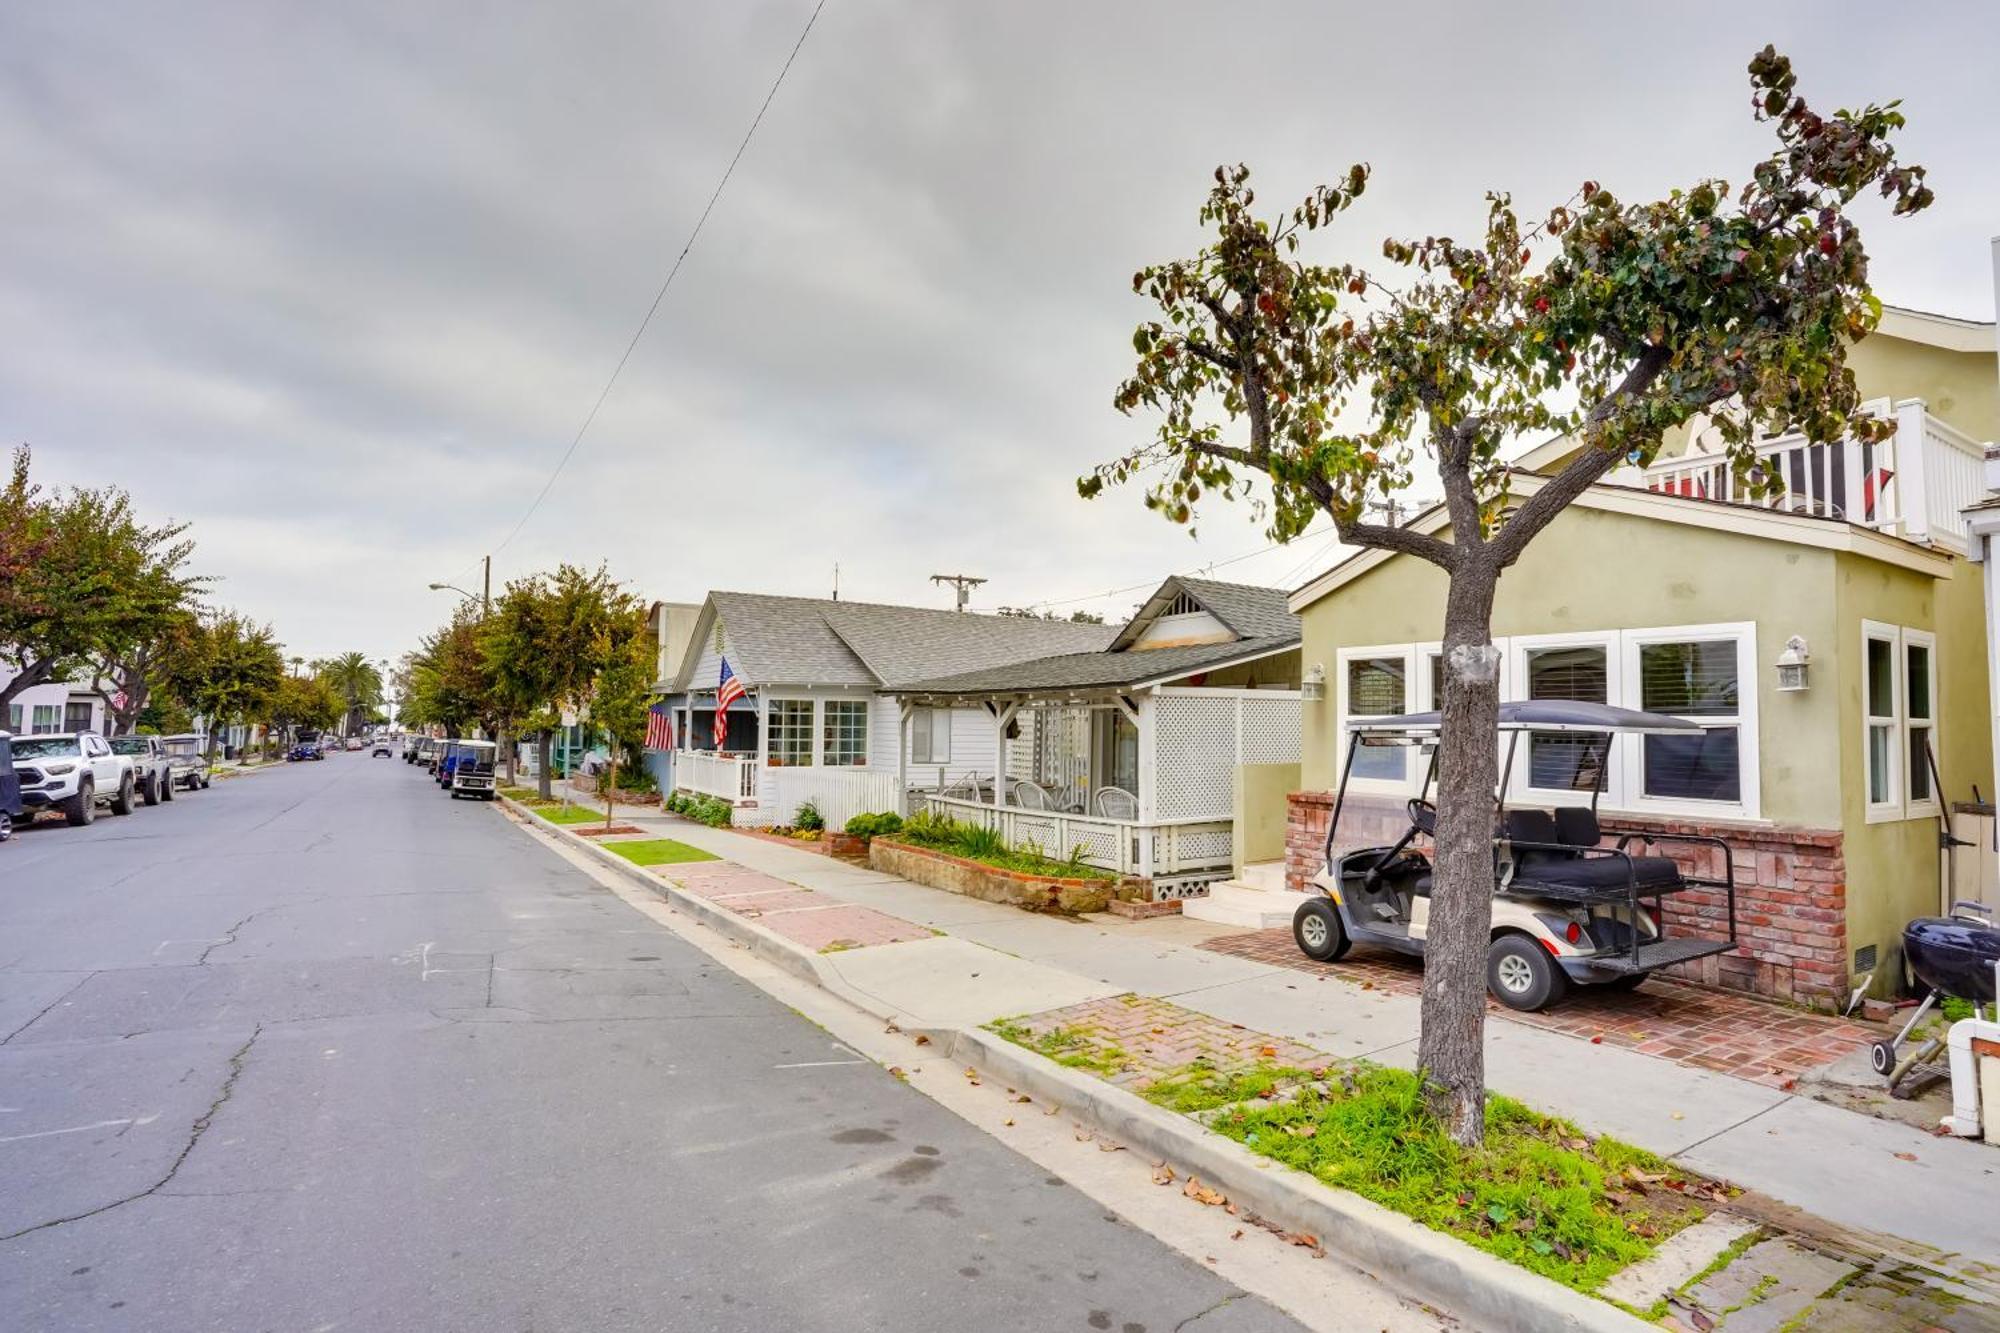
{"x": 1537, "y": 715}
{"x": 478, "y": 745}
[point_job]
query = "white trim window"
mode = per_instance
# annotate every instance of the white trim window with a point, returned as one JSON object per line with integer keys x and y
{"x": 1578, "y": 668}
{"x": 14, "y": 718}
{"x": 788, "y": 734}
{"x": 1374, "y": 682}
{"x": 1899, "y": 721}
{"x": 1705, "y": 674}
{"x": 930, "y": 735}
{"x": 844, "y": 733}
{"x": 45, "y": 718}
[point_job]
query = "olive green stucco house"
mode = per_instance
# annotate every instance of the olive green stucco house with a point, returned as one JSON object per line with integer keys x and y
{"x": 1665, "y": 589}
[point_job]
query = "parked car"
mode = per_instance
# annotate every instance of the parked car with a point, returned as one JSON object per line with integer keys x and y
{"x": 428, "y": 751}
{"x": 150, "y": 769}
{"x": 11, "y": 807}
{"x": 186, "y": 763}
{"x": 410, "y": 744}
{"x": 470, "y": 766}
{"x": 74, "y": 772}
{"x": 383, "y": 748}
{"x": 304, "y": 750}
{"x": 356, "y": 743}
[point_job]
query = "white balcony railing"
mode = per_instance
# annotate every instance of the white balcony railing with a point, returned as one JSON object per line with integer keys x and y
{"x": 728, "y": 777}
{"x": 1914, "y": 484}
{"x": 1162, "y": 849}
{"x": 838, "y": 794}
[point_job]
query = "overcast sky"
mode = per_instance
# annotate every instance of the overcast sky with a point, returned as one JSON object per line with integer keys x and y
{"x": 337, "y": 283}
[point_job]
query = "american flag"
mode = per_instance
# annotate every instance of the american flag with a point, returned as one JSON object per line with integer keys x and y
{"x": 659, "y": 727}
{"x": 726, "y": 693}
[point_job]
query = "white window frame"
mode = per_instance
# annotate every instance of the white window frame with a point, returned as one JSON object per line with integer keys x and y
{"x": 935, "y": 720}
{"x": 1932, "y": 806}
{"x": 1900, "y": 805}
{"x": 1518, "y": 648}
{"x": 824, "y": 718}
{"x": 16, "y": 714}
{"x": 1407, "y": 653}
{"x": 812, "y": 731}
{"x": 46, "y": 719}
{"x": 1748, "y": 781}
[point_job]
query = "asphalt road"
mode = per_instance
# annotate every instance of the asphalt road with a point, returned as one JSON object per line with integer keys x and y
{"x": 320, "y": 1048}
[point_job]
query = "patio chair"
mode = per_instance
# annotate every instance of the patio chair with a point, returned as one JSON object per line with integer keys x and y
{"x": 1117, "y": 803}
{"x": 1031, "y": 796}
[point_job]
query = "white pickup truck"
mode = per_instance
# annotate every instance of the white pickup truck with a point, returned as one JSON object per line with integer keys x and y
{"x": 73, "y": 772}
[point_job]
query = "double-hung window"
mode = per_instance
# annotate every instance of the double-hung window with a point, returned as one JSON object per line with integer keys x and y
{"x": 844, "y": 740}
{"x": 930, "y": 735}
{"x": 1699, "y": 680}
{"x": 1580, "y": 673}
{"x": 45, "y": 718}
{"x": 1375, "y": 683}
{"x": 788, "y": 740}
{"x": 1899, "y": 721}
{"x": 14, "y": 718}
{"x": 76, "y": 715}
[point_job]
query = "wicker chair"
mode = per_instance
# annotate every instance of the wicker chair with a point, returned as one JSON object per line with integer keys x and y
{"x": 1117, "y": 803}
{"x": 1032, "y": 796}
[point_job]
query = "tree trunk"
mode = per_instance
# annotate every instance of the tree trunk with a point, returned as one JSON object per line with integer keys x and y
{"x": 542, "y": 763}
{"x": 1451, "y": 1057}
{"x": 32, "y": 674}
{"x": 507, "y": 753}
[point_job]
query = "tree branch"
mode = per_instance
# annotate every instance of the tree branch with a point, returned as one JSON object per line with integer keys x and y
{"x": 1211, "y": 355}
{"x": 1407, "y": 541}
{"x": 1461, "y": 497}
{"x": 1542, "y": 507}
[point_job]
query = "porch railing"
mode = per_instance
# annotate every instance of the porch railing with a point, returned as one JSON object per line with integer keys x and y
{"x": 839, "y": 795}
{"x": 728, "y": 777}
{"x": 1157, "y": 850}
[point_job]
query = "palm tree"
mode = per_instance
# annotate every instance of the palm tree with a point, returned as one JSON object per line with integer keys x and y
{"x": 356, "y": 680}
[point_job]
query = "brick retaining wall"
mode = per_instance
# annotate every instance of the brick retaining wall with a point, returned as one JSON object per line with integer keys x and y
{"x": 1791, "y": 899}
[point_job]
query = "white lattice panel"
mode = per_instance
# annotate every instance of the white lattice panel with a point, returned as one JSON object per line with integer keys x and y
{"x": 1195, "y": 763}
{"x": 1271, "y": 729}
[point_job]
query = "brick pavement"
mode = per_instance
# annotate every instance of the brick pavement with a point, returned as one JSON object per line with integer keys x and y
{"x": 1151, "y": 1039}
{"x": 1726, "y": 1032}
{"x": 814, "y": 920}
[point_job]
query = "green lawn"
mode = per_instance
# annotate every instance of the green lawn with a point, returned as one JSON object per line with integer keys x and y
{"x": 574, "y": 814}
{"x": 657, "y": 852}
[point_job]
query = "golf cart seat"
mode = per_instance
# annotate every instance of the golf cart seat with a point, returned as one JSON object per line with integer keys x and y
{"x": 1545, "y": 858}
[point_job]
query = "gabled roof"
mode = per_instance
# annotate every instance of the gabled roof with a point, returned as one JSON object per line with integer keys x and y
{"x": 1100, "y": 671}
{"x": 1249, "y": 611}
{"x": 817, "y": 641}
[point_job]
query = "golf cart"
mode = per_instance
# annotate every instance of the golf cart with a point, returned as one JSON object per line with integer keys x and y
{"x": 11, "y": 807}
{"x": 468, "y": 769}
{"x": 1567, "y": 910}
{"x": 186, "y": 762}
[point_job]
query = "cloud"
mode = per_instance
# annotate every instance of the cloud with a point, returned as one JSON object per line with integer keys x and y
{"x": 338, "y": 285}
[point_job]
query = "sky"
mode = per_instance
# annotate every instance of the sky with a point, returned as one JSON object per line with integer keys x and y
{"x": 337, "y": 284}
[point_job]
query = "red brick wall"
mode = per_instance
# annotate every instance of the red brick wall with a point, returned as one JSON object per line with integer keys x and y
{"x": 1791, "y": 900}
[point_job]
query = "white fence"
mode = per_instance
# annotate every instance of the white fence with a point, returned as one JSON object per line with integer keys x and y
{"x": 1164, "y": 849}
{"x": 729, "y": 777}
{"x": 839, "y": 796}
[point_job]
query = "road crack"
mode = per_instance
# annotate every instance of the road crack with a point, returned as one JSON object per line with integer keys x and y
{"x": 195, "y": 1132}
{"x": 45, "y": 1008}
{"x": 1230, "y": 1299}
{"x": 229, "y": 935}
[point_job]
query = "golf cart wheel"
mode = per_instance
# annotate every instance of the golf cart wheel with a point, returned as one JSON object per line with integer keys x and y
{"x": 121, "y": 804}
{"x": 206, "y": 781}
{"x": 81, "y": 808}
{"x": 6, "y": 826}
{"x": 1882, "y": 1057}
{"x": 150, "y": 793}
{"x": 1317, "y": 930}
{"x": 1521, "y": 975}
{"x": 167, "y": 788}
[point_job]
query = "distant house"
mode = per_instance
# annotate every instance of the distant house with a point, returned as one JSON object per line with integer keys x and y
{"x": 72, "y": 705}
{"x": 1671, "y": 589}
{"x": 1165, "y": 754}
{"x": 813, "y": 724}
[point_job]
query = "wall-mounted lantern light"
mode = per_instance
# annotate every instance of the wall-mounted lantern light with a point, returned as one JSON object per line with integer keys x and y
{"x": 1313, "y": 688}
{"x": 1792, "y": 664}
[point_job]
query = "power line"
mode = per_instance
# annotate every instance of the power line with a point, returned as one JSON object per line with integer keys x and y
{"x": 1154, "y": 583}
{"x": 660, "y": 295}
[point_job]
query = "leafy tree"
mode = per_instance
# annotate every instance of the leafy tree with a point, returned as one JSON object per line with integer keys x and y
{"x": 87, "y": 582}
{"x": 451, "y": 684}
{"x": 223, "y": 667}
{"x": 1029, "y": 613}
{"x": 621, "y": 693}
{"x": 1608, "y": 322}
{"x": 302, "y": 702}
{"x": 548, "y": 639}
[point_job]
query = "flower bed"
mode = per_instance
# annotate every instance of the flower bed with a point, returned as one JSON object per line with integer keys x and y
{"x": 1066, "y": 891}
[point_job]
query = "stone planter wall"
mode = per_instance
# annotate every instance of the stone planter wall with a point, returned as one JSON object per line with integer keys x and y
{"x": 976, "y": 879}
{"x": 1791, "y": 899}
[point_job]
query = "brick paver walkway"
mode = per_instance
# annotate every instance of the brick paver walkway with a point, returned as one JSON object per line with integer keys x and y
{"x": 820, "y": 923}
{"x": 1704, "y": 1029}
{"x": 1150, "y": 1039}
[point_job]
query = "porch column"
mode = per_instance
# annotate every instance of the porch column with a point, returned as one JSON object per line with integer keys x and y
{"x": 1004, "y": 715}
{"x": 902, "y": 756}
{"x": 1912, "y": 488}
{"x": 1149, "y": 782}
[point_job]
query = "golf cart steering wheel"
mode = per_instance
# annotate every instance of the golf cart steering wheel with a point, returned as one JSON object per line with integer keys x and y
{"x": 1423, "y": 815}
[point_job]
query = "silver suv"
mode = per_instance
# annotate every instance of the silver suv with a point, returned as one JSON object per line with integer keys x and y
{"x": 151, "y": 771}
{"x": 72, "y": 772}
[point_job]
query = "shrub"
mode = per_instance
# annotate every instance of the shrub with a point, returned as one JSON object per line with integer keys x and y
{"x": 977, "y": 841}
{"x": 809, "y": 818}
{"x": 868, "y": 826}
{"x": 928, "y": 830}
{"x": 635, "y": 778}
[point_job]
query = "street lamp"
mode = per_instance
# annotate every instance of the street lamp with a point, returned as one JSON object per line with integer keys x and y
{"x": 486, "y": 586}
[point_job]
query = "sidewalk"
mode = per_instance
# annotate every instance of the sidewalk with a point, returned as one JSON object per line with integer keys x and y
{"x": 1873, "y": 1177}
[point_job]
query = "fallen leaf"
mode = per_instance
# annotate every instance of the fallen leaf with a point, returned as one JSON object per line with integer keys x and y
{"x": 1268, "y": 1052}
{"x": 896, "y": 1071}
{"x": 1906, "y": 1157}
{"x": 1366, "y": 985}
{"x": 1201, "y": 1193}
{"x": 1111, "y": 1147}
{"x": 1597, "y": 1041}
{"x": 892, "y": 1028}
{"x": 1053, "y": 1109}
{"x": 1305, "y": 1240}
{"x": 1158, "y": 1031}
{"x": 922, "y": 1040}
{"x": 1679, "y": 1116}
{"x": 1163, "y": 1174}
{"x": 1024, "y": 1099}
{"x": 1084, "y": 1135}
{"x": 1236, "y": 1234}
{"x": 1009, "y": 1123}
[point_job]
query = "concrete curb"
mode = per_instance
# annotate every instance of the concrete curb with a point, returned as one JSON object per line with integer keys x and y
{"x": 1485, "y": 1291}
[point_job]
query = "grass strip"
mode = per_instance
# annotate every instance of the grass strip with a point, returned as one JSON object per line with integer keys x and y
{"x": 575, "y": 814}
{"x": 657, "y": 852}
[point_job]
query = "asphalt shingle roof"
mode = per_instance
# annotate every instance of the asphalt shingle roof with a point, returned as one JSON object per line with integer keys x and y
{"x": 817, "y": 641}
{"x": 1252, "y": 612}
{"x": 1086, "y": 671}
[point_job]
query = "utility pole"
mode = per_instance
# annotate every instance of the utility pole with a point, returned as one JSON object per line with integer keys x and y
{"x": 486, "y": 588}
{"x": 963, "y": 584}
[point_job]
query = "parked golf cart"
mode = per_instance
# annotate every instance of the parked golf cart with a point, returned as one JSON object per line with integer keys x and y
{"x": 186, "y": 760}
{"x": 468, "y": 769}
{"x": 1566, "y": 909}
{"x": 11, "y": 808}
